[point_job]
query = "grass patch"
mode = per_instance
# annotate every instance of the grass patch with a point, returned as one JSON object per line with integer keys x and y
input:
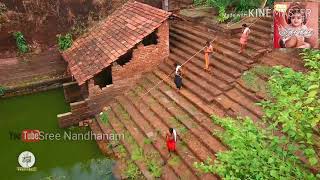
{"x": 139, "y": 89}
{"x": 104, "y": 117}
{"x": 132, "y": 171}
{"x": 182, "y": 130}
{"x": 137, "y": 154}
{"x": 122, "y": 151}
{"x": 174, "y": 160}
{"x": 174, "y": 121}
{"x": 129, "y": 138}
{"x": 147, "y": 141}
{"x": 252, "y": 78}
{"x": 154, "y": 168}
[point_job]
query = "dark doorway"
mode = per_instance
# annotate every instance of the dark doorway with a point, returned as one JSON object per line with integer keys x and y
{"x": 150, "y": 39}
{"x": 104, "y": 78}
{"x": 125, "y": 58}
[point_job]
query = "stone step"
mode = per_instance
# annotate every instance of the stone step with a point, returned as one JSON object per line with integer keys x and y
{"x": 193, "y": 31}
{"x": 264, "y": 22}
{"x": 102, "y": 143}
{"x": 198, "y": 44}
{"x": 232, "y": 55}
{"x": 148, "y": 149}
{"x": 238, "y": 110}
{"x": 263, "y": 26}
{"x": 249, "y": 53}
{"x": 119, "y": 128}
{"x": 245, "y": 102}
{"x": 200, "y": 64}
{"x": 255, "y": 40}
{"x": 195, "y": 100}
{"x": 190, "y": 67}
{"x": 234, "y": 73}
{"x": 245, "y": 92}
{"x": 188, "y": 108}
{"x": 197, "y": 80}
{"x": 250, "y": 45}
{"x": 148, "y": 108}
{"x": 201, "y": 122}
{"x": 139, "y": 123}
{"x": 169, "y": 113}
{"x": 107, "y": 129}
{"x": 202, "y": 93}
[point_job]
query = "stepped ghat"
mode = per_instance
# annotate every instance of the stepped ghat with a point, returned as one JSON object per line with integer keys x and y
{"x": 147, "y": 108}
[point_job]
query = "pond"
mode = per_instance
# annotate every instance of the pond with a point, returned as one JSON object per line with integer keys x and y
{"x": 54, "y": 159}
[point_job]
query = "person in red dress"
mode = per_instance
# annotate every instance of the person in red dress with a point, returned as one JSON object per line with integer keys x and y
{"x": 171, "y": 141}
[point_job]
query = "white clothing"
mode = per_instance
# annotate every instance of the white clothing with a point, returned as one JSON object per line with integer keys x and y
{"x": 177, "y": 69}
{"x": 175, "y": 135}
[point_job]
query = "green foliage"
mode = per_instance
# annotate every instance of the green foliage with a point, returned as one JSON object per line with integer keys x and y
{"x": 21, "y": 42}
{"x": 147, "y": 141}
{"x": 2, "y": 90}
{"x": 311, "y": 59}
{"x": 132, "y": 171}
{"x": 253, "y": 154}
{"x": 122, "y": 150}
{"x": 199, "y": 2}
{"x": 245, "y": 5}
{"x": 174, "y": 160}
{"x": 221, "y": 5}
{"x": 154, "y": 168}
{"x": 236, "y": 19}
{"x": 252, "y": 78}
{"x": 104, "y": 117}
{"x": 137, "y": 154}
{"x": 64, "y": 42}
{"x": 270, "y": 3}
{"x": 295, "y": 108}
{"x": 222, "y": 15}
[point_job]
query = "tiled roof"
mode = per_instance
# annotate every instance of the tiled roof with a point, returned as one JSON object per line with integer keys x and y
{"x": 110, "y": 39}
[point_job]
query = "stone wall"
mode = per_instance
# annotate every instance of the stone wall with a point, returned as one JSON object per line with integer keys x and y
{"x": 144, "y": 59}
{"x": 72, "y": 92}
{"x": 35, "y": 87}
{"x": 79, "y": 111}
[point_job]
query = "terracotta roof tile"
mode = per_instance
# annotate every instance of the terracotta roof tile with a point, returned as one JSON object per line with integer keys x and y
{"x": 112, "y": 38}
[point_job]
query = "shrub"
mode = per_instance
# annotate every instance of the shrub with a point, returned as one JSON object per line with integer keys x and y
{"x": 2, "y": 91}
{"x": 253, "y": 154}
{"x": 245, "y": 5}
{"x": 221, "y": 5}
{"x": 199, "y": 2}
{"x": 270, "y": 3}
{"x": 64, "y": 42}
{"x": 312, "y": 59}
{"x": 21, "y": 42}
{"x": 295, "y": 107}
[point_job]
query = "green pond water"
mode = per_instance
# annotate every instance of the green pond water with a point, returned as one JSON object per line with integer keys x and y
{"x": 55, "y": 159}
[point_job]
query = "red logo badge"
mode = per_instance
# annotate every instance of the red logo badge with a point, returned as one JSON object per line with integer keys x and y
{"x": 29, "y": 135}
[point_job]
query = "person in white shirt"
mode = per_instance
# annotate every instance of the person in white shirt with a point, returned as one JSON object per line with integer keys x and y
{"x": 178, "y": 76}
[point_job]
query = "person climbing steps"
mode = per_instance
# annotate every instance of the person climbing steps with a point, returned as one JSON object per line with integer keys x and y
{"x": 208, "y": 49}
{"x": 178, "y": 76}
{"x": 171, "y": 138}
{"x": 244, "y": 38}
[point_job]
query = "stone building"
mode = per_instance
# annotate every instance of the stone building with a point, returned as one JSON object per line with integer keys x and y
{"x": 112, "y": 56}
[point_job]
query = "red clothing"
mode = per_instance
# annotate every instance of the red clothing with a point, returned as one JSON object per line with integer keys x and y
{"x": 171, "y": 144}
